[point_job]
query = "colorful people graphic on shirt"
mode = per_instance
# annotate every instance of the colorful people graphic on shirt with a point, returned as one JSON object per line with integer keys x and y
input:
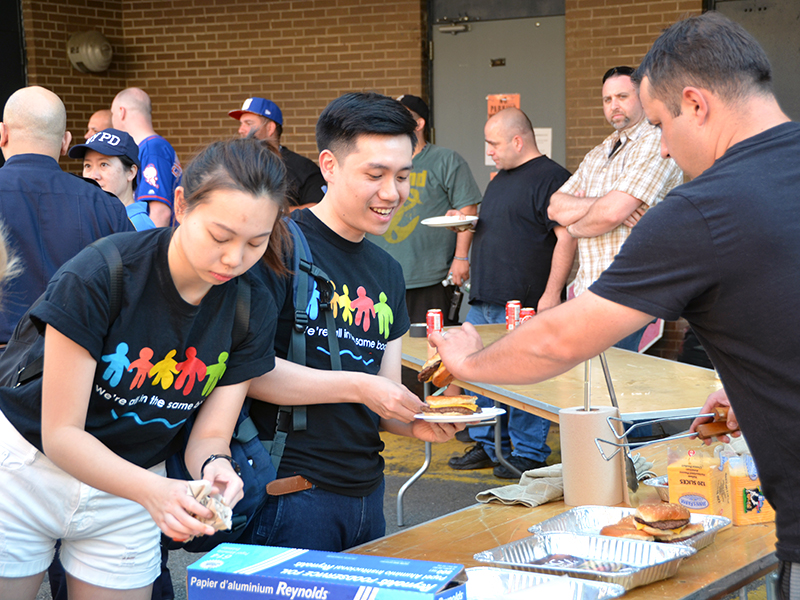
{"x": 215, "y": 373}
{"x": 164, "y": 371}
{"x": 117, "y": 364}
{"x": 191, "y": 370}
{"x": 385, "y": 315}
{"x": 364, "y": 307}
{"x": 344, "y": 304}
{"x": 142, "y": 366}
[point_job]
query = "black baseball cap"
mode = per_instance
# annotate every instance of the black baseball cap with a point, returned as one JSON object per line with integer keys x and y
{"x": 416, "y": 104}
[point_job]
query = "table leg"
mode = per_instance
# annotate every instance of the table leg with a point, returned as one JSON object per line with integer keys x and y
{"x": 428, "y": 455}
{"x": 498, "y": 444}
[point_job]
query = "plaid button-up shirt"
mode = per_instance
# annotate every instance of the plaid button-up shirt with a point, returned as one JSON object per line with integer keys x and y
{"x": 635, "y": 168}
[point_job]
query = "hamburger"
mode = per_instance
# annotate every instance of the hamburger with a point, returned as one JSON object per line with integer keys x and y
{"x": 433, "y": 370}
{"x": 661, "y": 520}
{"x": 451, "y": 405}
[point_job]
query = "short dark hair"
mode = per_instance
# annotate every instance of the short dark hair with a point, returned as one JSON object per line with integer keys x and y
{"x": 708, "y": 51}
{"x": 618, "y": 72}
{"x": 362, "y": 113}
{"x": 246, "y": 165}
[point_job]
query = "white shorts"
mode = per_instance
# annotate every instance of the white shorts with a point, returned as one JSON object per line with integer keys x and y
{"x": 107, "y": 541}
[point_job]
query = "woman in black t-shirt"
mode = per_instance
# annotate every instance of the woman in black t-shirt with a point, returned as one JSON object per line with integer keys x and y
{"x": 82, "y": 449}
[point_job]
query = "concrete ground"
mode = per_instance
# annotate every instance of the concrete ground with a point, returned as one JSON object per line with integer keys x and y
{"x": 440, "y": 491}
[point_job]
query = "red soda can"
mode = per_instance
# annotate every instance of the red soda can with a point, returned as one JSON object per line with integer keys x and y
{"x": 526, "y": 313}
{"x": 513, "y": 308}
{"x": 434, "y": 319}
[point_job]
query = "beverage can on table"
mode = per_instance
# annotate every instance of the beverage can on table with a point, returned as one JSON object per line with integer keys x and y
{"x": 434, "y": 319}
{"x": 526, "y": 313}
{"x": 513, "y": 309}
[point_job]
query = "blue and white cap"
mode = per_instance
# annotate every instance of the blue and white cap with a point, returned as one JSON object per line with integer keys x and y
{"x": 259, "y": 106}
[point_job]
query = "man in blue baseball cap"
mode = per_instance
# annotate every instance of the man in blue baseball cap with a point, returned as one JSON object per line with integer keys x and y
{"x": 111, "y": 158}
{"x": 262, "y": 119}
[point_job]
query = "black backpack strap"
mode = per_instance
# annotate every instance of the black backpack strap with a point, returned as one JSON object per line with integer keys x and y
{"x": 241, "y": 320}
{"x": 110, "y": 253}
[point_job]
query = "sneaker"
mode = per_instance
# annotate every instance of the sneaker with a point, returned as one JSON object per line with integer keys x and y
{"x": 463, "y": 436}
{"x": 475, "y": 457}
{"x": 520, "y": 462}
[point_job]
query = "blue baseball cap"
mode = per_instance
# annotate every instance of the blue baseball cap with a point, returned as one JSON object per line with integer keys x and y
{"x": 109, "y": 142}
{"x": 261, "y": 107}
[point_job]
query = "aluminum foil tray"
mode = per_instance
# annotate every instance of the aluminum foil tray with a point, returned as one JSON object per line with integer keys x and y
{"x": 491, "y": 583}
{"x": 623, "y": 561}
{"x": 591, "y": 519}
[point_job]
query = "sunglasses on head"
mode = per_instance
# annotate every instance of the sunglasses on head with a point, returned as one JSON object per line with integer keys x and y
{"x": 614, "y": 71}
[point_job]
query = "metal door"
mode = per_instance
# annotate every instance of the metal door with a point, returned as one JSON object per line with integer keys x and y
{"x": 531, "y": 52}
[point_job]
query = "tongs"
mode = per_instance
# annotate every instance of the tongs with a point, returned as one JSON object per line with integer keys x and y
{"x": 705, "y": 431}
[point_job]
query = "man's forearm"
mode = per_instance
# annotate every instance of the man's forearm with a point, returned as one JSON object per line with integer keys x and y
{"x": 606, "y": 214}
{"x": 464, "y": 238}
{"x": 291, "y": 384}
{"x": 561, "y": 263}
{"x": 565, "y": 209}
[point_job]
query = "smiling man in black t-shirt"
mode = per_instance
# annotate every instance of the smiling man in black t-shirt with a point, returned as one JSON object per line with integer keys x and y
{"x": 331, "y": 474}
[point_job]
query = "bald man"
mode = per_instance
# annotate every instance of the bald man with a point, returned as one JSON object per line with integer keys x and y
{"x": 132, "y": 112}
{"x": 49, "y": 215}
{"x": 99, "y": 121}
{"x": 518, "y": 254}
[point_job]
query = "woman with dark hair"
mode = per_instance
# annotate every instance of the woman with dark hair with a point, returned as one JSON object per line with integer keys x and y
{"x": 111, "y": 158}
{"x": 85, "y": 444}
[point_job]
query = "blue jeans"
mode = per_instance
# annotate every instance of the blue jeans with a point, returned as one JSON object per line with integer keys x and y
{"x": 316, "y": 519}
{"x": 527, "y": 432}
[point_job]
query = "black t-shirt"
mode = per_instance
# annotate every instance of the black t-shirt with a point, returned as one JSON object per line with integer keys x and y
{"x": 306, "y": 183}
{"x": 514, "y": 240}
{"x": 158, "y": 361}
{"x": 723, "y": 251}
{"x": 340, "y": 449}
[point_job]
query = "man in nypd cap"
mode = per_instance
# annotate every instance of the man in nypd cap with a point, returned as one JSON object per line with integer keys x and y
{"x": 263, "y": 120}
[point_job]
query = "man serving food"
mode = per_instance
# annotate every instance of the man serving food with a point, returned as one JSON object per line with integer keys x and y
{"x": 711, "y": 252}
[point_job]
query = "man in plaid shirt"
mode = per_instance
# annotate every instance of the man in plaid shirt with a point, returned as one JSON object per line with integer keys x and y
{"x": 615, "y": 184}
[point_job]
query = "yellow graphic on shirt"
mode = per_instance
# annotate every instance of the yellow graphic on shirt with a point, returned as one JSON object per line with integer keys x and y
{"x": 397, "y": 232}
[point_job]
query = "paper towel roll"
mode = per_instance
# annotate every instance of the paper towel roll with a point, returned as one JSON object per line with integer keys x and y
{"x": 588, "y": 477}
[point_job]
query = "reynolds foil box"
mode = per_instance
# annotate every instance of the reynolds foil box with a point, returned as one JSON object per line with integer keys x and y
{"x": 239, "y": 571}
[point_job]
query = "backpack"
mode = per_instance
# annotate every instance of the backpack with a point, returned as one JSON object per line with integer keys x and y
{"x": 259, "y": 459}
{"x": 23, "y": 359}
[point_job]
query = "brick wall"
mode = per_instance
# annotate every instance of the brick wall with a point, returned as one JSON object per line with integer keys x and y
{"x": 48, "y": 27}
{"x": 601, "y": 34}
{"x": 198, "y": 59}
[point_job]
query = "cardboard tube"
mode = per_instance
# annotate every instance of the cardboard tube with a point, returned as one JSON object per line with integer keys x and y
{"x": 588, "y": 477}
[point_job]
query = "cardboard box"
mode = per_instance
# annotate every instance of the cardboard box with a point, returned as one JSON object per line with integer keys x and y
{"x": 698, "y": 482}
{"x": 239, "y": 572}
{"x": 747, "y": 500}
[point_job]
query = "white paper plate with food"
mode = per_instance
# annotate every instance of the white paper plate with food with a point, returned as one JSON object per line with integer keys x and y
{"x": 454, "y": 221}
{"x": 485, "y": 415}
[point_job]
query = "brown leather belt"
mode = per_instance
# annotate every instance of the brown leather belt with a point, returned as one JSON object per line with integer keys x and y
{"x": 288, "y": 485}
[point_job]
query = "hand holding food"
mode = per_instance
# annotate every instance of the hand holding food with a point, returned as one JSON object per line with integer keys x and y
{"x": 434, "y": 371}
{"x": 222, "y": 515}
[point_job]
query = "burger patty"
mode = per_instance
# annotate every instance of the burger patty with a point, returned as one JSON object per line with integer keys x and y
{"x": 461, "y": 410}
{"x": 664, "y": 524}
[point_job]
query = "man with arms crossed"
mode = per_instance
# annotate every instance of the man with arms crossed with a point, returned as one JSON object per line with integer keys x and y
{"x": 330, "y": 481}
{"x": 712, "y": 252}
{"x": 616, "y": 182}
